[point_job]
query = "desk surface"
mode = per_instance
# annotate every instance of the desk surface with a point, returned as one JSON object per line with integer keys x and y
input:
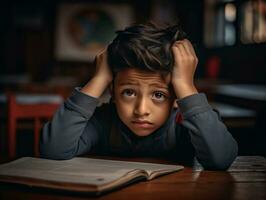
{"x": 246, "y": 180}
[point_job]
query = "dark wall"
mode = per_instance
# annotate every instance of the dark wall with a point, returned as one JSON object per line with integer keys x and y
{"x": 242, "y": 63}
{"x": 28, "y": 48}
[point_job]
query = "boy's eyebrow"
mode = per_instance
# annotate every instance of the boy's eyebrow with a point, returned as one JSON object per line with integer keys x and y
{"x": 158, "y": 85}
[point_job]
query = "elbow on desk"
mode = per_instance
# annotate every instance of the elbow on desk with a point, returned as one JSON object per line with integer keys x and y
{"x": 51, "y": 148}
{"x": 55, "y": 156}
{"x": 51, "y": 152}
{"x": 222, "y": 161}
{"x": 218, "y": 165}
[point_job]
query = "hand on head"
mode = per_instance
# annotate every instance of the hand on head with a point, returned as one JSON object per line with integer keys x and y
{"x": 185, "y": 63}
{"x": 103, "y": 70}
{"x": 102, "y": 77}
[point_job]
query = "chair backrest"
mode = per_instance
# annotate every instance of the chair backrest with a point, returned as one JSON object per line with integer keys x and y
{"x": 29, "y": 106}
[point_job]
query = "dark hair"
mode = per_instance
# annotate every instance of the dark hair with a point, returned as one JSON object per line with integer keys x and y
{"x": 144, "y": 46}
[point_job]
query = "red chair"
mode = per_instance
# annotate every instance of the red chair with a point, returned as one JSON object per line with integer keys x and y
{"x": 28, "y": 107}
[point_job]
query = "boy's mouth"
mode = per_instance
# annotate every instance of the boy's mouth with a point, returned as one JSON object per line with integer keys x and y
{"x": 142, "y": 123}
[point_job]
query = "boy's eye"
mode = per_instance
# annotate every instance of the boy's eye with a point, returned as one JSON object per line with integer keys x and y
{"x": 128, "y": 93}
{"x": 159, "y": 96}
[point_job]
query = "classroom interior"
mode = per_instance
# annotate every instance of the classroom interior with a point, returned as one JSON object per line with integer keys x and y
{"x": 47, "y": 48}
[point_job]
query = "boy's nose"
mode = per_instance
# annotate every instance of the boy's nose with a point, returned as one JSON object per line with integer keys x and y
{"x": 142, "y": 107}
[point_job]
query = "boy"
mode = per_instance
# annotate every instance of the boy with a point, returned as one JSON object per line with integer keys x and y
{"x": 150, "y": 71}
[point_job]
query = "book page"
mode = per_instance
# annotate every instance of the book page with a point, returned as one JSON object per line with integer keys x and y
{"x": 77, "y": 170}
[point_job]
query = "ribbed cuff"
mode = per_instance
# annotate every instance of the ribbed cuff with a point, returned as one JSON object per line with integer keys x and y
{"x": 83, "y": 100}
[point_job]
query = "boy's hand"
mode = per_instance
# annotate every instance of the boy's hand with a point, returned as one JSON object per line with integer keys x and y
{"x": 102, "y": 78}
{"x": 103, "y": 70}
{"x": 185, "y": 63}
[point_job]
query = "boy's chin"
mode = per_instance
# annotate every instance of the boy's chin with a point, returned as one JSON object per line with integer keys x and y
{"x": 142, "y": 133}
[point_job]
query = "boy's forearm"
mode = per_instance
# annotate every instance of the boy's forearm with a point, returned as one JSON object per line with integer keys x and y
{"x": 184, "y": 90}
{"x": 214, "y": 145}
{"x": 95, "y": 87}
{"x": 64, "y": 136}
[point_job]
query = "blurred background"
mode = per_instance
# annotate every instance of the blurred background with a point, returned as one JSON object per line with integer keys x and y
{"x": 48, "y": 47}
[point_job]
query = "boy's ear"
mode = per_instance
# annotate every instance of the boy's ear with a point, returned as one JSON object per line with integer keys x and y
{"x": 175, "y": 105}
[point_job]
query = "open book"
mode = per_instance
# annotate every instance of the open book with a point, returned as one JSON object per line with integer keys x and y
{"x": 80, "y": 174}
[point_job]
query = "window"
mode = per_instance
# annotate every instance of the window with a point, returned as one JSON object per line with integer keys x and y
{"x": 253, "y": 23}
{"x": 228, "y": 22}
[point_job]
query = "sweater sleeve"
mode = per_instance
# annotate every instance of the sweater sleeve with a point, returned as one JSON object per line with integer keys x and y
{"x": 215, "y": 148}
{"x": 72, "y": 131}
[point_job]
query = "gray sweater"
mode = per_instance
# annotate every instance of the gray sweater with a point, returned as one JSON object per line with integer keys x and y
{"x": 80, "y": 127}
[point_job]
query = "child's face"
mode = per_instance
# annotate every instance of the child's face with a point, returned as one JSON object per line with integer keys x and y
{"x": 143, "y": 100}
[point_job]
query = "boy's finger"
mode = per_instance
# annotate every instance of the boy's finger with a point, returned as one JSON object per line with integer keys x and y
{"x": 190, "y": 46}
{"x": 186, "y": 48}
{"x": 176, "y": 52}
{"x": 103, "y": 51}
{"x": 181, "y": 48}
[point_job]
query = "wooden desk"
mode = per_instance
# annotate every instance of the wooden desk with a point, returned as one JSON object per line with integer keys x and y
{"x": 246, "y": 180}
